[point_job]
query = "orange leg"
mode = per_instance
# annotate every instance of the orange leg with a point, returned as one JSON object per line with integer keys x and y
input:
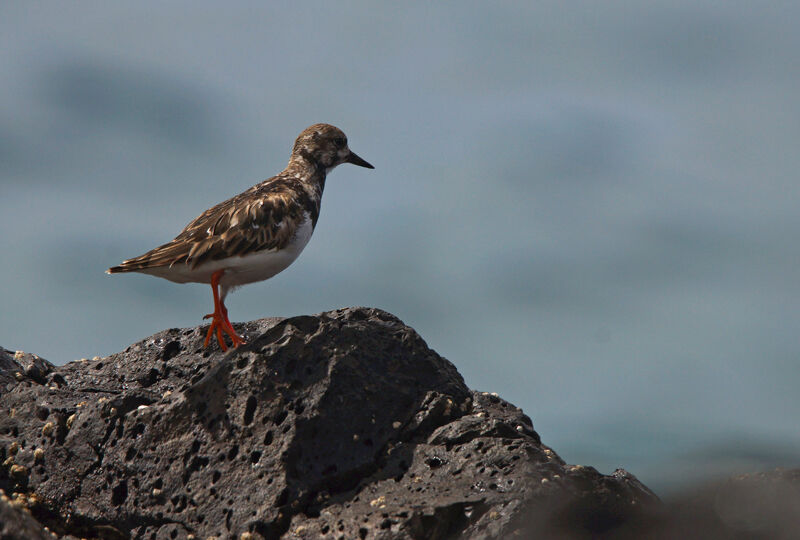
{"x": 220, "y": 322}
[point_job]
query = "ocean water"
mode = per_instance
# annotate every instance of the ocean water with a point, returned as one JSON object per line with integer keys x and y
{"x": 591, "y": 209}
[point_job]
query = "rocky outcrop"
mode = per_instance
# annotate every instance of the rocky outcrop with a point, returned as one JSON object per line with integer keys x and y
{"x": 339, "y": 425}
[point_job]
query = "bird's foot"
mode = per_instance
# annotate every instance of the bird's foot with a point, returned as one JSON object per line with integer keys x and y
{"x": 219, "y": 325}
{"x": 220, "y": 322}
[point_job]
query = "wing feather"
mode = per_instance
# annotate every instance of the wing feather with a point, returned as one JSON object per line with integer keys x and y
{"x": 265, "y": 217}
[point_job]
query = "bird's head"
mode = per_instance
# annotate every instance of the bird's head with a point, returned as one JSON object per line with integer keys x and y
{"x": 325, "y": 146}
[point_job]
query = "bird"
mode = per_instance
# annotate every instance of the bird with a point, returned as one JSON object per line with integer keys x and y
{"x": 254, "y": 235}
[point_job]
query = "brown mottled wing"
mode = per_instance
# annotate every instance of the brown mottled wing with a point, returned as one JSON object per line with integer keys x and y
{"x": 264, "y": 217}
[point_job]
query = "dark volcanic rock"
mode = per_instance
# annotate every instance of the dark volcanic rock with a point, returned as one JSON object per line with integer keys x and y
{"x": 16, "y": 522}
{"x": 339, "y": 425}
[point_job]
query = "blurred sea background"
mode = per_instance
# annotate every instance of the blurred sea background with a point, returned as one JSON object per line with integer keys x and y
{"x": 591, "y": 208}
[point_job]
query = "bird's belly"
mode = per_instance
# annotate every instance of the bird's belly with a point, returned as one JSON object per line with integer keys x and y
{"x": 257, "y": 266}
{"x": 263, "y": 265}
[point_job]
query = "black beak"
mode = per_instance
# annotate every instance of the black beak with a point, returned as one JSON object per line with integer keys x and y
{"x": 355, "y": 160}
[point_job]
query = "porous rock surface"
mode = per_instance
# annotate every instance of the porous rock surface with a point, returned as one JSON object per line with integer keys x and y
{"x": 339, "y": 425}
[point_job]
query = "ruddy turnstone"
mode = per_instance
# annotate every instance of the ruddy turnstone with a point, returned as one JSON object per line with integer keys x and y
{"x": 254, "y": 235}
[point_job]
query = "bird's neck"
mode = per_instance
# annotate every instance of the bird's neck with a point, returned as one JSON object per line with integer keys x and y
{"x": 306, "y": 170}
{"x": 310, "y": 174}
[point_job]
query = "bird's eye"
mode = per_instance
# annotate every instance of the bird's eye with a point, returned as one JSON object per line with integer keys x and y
{"x": 341, "y": 142}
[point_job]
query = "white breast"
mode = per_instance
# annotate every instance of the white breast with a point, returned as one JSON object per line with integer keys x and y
{"x": 265, "y": 264}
